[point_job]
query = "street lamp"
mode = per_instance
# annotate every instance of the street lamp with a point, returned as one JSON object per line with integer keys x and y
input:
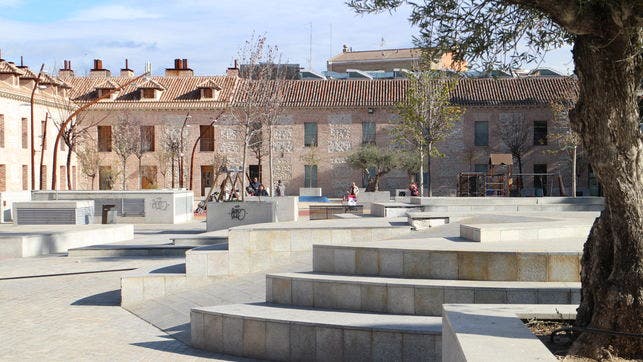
{"x": 36, "y": 85}
{"x": 185, "y": 122}
{"x": 214, "y": 120}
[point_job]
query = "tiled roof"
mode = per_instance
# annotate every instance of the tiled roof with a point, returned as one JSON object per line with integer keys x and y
{"x": 181, "y": 92}
{"x": 28, "y": 74}
{"x": 208, "y": 83}
{"x": 384, "y": 54}
{"x": 107, "y": 84}
{"x": 8, "y": 68}
{"x": 150, "y": 83}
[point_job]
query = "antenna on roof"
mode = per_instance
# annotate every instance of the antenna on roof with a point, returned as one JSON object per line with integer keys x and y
{"x": 148, "y": 67}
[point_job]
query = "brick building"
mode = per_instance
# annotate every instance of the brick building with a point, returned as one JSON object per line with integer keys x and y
{"x": 321, "y": 122}
{"x": 50, "y": 104}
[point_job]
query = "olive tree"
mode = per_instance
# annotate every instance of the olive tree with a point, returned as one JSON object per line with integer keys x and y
{"x": 371, "y": 157}
{"x": 607, "y": 37}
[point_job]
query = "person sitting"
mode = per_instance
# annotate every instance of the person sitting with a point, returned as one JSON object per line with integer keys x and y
{"x": 261, "y": 191}
{"x": 254, "y": 185}
{"x": 413, "y": 188}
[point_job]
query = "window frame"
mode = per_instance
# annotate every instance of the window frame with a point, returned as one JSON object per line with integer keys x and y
{"x": 478, "y": 138}
{"x": 311, "y": 140}
{"x": 206, "y": 144}
{"x": 309, "y": 172}
{"x": 148, "y": 138}
{"x": 369, "y": 133}
{"x": 539, "y": 126}
{"x": 104, "y": 145}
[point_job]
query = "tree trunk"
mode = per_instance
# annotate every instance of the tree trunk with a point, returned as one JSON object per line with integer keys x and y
{"x": 270, "y": 165}
{"x": 173, "y": 172}
{"x": 606, "y": 118}
{"x": 140, "y": 175}
{"x": 520, "y": 179}
{"x": 428, "y": 168}
{"x": 421, "y": 172}
{"x": 68, "y": 164}
{"x": 124, "y": 174}
{"x": 244, "y": 164}
{"x": 93, "y": 177}
{"x": 574, "y": 172}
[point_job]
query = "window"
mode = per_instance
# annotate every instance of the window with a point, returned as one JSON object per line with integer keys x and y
{"x": 207, "y": 93}
{"x": 25, "y": 177}
{"x": 148, "y": 93}
{"x": 368, "y": 133}
{"x": 43, "y": 177}
{"x": 43, "y": 137}
{"x": 147, "y": 138}
{"x": 105, "y": 138}
{"x": 3, "y": 178}
{"x": 63, "y": 178}
{"x": 540, "y": 179}
{"x": 25, "y": 133}
{"x": 481, "y": 136}
{"x": 310, "y": 176}
{"x": 310, "y": 134}
{"x": 207, "y": 138}
{"x": 1, "y": 130}
{"x": 540, "y": 133}
{"x": 480, "y": 167}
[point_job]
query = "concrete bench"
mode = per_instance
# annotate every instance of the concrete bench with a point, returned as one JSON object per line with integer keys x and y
{"x": 422, "y": 220}
{"x": 323, "y": 212}
{"x": 53, "y": 212}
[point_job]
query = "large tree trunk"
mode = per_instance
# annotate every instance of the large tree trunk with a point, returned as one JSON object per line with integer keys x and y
{"x": 606, "y": 118}
{"x": 574, "y": 171}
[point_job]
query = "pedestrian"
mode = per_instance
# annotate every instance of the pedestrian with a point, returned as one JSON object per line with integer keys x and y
{"x": 353, "y": 190}
{"x": 413, "y": 188}
{"x": 280, "y": 189}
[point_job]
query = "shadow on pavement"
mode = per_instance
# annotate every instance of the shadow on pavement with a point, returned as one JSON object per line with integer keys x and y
{"x": 111, "y": 298}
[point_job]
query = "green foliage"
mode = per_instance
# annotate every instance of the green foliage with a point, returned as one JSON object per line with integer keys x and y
{"x": 409, "y": 162}
{"x": 372, "y": 157}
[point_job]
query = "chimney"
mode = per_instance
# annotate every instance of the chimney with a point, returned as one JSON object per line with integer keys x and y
{"x": 180, "y": 69}
{"x": 126, "y": 72}
{"x": 234, "y": 71}
{"x": 98, "y": 71}
{"x": 66, "y": 72}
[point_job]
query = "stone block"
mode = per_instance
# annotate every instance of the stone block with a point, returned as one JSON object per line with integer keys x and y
{"x": 490, "y": 296}
{"x": 323, "y": 295}
{"x": 323, "y": 260}
{"x": 417, "y": 264}
{"x": 281, "y": 291}
{"x": 302, "y": 342}
{"x": 472, "y": 266}
{"x": 418, "y": 347}
{"x": 561, "y": 296}
{"x": 391, "y": 263}
{"x": 239, "y": 263}
{"x": 341, "y": 236}
{"x": 174, "y": 283}
{"x": 197, "y": 334}
{"x": 279, "y": 258}
{"x": 347, "y": 296}
{"x": 279, "y": 241}
{"x": 196, "y": 264}
{"x": 532, "y": 267}
{"x": 387, "y": 346}
{"x": 367, "y": 262}
{"x": 301, "y": 239}
{"x": 458, "y": 295}
{"x": 374, "y": 298}
{"x": 502, "y": 266}
{"x": 241, "y": 240}
{"x": 218, "y": 263}
{"x": 444, "y": 265}
{"x": 213, "y": 332}
{"x": 401, "y": 300}
{"x": 575, "y": 297}
{"x": 357, "y": 345}
{"x": 153, "y": 287}
{"x": 362, "y": 235}
{"x": 322, "y": 236}
{"x": 233, "y": 335}
{"x": 329, "y": 345}
{"x": 344, "y": 261}
{"x": 277, "y": 341}
{"x": 428, "y": 301}
{"x": 522, "y": 296}
{"x": 131, "y": 290}
{"x": 563, "y": 268}
{"x": 302, "y": 293}
{"x": 254, "y": 338}
{"x": 260, "y": 261}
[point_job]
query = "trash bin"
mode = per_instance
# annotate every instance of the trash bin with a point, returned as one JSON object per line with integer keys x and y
{"x": 109, "y": 214}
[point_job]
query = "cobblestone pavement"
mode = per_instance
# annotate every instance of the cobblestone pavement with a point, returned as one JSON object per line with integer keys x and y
{"x": 77, "y": 316}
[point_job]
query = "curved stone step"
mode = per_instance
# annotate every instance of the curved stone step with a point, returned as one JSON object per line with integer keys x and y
{"x": 273, "y": 332}
{"x": 408, "y": 296}
{"x": 554, "y": 260}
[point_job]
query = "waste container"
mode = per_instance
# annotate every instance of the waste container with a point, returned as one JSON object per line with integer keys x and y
{"x": 109, "y": 214}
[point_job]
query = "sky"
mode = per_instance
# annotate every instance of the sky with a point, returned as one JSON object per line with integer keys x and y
{"x": 209, "y": 33}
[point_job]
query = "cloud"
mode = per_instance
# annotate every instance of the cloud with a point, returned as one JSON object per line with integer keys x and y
{"x": 112, "y": 12}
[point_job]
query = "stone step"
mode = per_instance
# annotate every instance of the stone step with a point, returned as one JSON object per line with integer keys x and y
{"x": 526, "y": 230}
{"x": 408, "y": 296}
{"x": 275, "y": 332}
{"x": 554, "y": 260}
{"x": 207, "y": 238}
{"x": 164, "y": 250}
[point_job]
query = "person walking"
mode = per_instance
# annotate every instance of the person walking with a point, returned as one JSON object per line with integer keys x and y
{"x": 280, "y": 189}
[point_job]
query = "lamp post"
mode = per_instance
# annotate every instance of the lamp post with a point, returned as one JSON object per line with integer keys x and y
{"x": 215, "y": 120}
{"x": 31, "y": 138}
{"x": 185, "y": 122}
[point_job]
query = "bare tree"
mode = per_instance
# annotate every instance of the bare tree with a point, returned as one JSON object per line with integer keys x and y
{"x": 515, "y": 133}
{"x": 562, "y": 134}
{"x": 88, "y": 157}
{"x": 126, "y": 141}
{"x": 171, "y": 146}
